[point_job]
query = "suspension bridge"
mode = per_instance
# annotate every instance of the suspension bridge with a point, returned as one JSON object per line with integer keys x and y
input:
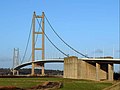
{"x": 35, "y": 34}
{"x": 39, "y": 21}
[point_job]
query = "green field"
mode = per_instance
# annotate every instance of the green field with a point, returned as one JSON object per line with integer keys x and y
{"x": 68, "y": 84}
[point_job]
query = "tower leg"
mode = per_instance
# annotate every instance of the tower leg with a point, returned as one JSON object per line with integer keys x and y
{"x": 43, "y": 72}
{"x": 13, "y": 72}
{"x": 33, "y": 71}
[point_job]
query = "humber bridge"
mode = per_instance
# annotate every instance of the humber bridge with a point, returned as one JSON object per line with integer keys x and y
{"x": 92, "y": 68}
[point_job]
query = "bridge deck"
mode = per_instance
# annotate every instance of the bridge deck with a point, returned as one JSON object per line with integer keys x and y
{"x": 102, "y": 60}
{"x": 39, "y": 61}
{"x": 91, "y": 60}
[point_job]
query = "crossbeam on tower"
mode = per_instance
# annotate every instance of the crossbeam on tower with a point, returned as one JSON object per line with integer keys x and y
{"x": 33, "y": 42}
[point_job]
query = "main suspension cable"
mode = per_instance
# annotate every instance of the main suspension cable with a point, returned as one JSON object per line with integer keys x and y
{"x": 27, "y": 43}
{"x": 51, "y": 41}
{"x": 63, "y": 40}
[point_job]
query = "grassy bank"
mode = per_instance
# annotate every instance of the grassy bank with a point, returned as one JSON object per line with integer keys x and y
{"x": 69, "y": 84}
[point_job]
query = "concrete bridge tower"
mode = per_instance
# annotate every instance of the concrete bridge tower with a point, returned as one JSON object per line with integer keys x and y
{"x": 34, "y": 32}
{"x": 15, "y": 59}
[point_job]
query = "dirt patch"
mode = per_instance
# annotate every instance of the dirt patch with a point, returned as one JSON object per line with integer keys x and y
{"x": 44, "y": 86}
{"x": 48, "y": 85}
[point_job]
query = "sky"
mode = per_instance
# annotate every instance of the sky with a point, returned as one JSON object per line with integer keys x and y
{"x": 90, "y": 26}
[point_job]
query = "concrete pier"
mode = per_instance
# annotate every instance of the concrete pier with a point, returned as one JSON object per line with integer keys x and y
{"x": 92, "y": 70}
{"x": 110, "y": 72}
{"x": 70, "y": 67}
{"x": 97, "y": 71}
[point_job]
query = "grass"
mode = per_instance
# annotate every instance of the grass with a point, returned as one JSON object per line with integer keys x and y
{"x": 68, "y": 84}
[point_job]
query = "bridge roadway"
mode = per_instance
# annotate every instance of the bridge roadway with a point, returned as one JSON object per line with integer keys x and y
{"x": 39, "y": 61}
{"x": 101, "y": 60}
{"x": 90, "y": 60}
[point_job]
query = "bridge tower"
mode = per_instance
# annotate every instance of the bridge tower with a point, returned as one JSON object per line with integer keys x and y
{"x": 15, "y": 59}
{"x": 34, "y": 32}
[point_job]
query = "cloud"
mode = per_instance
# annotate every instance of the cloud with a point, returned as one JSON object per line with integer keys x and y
{"x": 98, "y": 51}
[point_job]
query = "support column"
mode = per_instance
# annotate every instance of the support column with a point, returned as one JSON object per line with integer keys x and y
{"x": 43, "y": 73}
{"x": 110, "y": 72}
{"x": 97, "y": 71}
{"x": 17, "y": 72}
{"x": 33, "y": 71}
{"x": 13, "y": 72}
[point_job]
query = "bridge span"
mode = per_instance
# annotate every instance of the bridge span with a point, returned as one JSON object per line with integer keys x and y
{"x": 102, "y": 60}
{"x": 39, "y": 62}
{"x": 82, "y": 68}
{"x": 61, "y": 60}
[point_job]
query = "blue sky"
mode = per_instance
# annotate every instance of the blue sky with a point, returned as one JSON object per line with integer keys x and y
{"x": 88, "y": 25}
